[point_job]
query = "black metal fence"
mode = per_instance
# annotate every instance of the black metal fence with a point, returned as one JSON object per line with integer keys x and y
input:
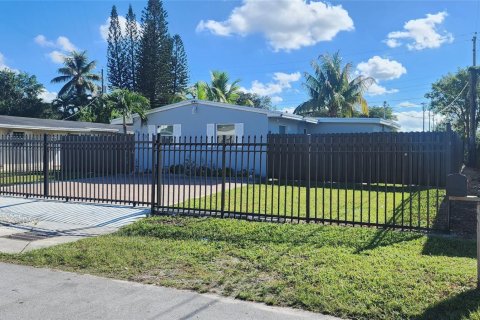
{"x": 385, "y": 179}
{"x": 97, "y": 168}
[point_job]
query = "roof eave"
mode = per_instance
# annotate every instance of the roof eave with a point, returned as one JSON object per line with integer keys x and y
{"x": 12, "y": 126}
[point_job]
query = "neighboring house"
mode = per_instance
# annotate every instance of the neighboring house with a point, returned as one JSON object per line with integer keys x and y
{"x": 219, "y": 120}
{"x": 22, "y": 126}
{"x": 16, "y": 131}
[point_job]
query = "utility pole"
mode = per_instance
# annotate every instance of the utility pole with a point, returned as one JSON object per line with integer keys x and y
{"x": 472, "y": 94}
{"x": 103, "y": 85}
{"x": 384, "y": 109}
{"x": 423, "y": 122}
{"x": 428, "y": 120}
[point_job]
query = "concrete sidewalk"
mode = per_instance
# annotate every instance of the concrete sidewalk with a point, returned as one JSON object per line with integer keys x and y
{"x": 32, "y": 293}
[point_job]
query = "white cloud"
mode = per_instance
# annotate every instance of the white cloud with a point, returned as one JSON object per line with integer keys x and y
{"x": 3, "y": 64}
{"x": 413, "y": 120}
{"x": 56, "y": 56}
{"x": 288, "y": 110}
{"x": 47, "y": 96}
{"x": 65, "y": 44}
{"x": 410, "y": 120}
{"x": 286, "y": 24}
{"x": 376, "y": 90}
{"x": 421, "y": 33}
{"x": 281, "y": 81}
{"x": 408, "y": 104}
{"x": 392, "y": 43}
{"x": 381, "y": 69}
{"x": 123, "y": 25}
{"x": 62, "y": 46}
{"x": 276, "y": 99}
{"x": 62, "y": 43}
{"x": 42, "y": 41}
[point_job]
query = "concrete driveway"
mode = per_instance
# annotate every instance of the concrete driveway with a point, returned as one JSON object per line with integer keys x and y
{"x": 30, "y": 293}
{"x": 125, "y": 188}
{"x": 27, "y": 224}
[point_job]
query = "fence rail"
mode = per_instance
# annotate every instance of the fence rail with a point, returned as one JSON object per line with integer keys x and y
{"x": 382, "y": 179}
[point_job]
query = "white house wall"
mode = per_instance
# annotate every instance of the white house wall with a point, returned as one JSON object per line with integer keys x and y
{"x": 194, "y": 121}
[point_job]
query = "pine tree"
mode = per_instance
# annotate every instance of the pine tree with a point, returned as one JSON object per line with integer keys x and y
{"x": 131, "y": 50}
{"x": 154, "y": 57}
{"x": 179, "y": 66}
{"x": 115, "y": 53}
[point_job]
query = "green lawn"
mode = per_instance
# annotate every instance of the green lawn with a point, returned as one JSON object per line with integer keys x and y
{"x": 359, "y": 273}
{"x": 380, "y": 205}
{"x": 9, "y": 179}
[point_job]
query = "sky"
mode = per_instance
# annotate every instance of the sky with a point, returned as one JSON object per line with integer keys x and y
{"x": 267, "y": 44}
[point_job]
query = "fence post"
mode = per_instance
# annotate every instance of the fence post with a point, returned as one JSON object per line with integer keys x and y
{"x": 224, "y": 173}
{"x": 45, "y": 166}
{"x": 308, "y": 154}
{"x": 154, "y": 172}
{"x": 448, "y": 163}
{"x": 159, "y": 171}
{"x": 478, "y": 245}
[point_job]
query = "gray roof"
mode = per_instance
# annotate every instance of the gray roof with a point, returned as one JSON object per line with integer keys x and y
{"x": 10, "y": 122}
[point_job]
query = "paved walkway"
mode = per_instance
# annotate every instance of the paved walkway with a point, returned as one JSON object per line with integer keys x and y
{"x": 31, "y": 293}
{"x": 61, "y": 221}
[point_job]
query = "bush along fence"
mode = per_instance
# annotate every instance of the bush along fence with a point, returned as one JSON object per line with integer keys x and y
{"x": 375, "y": 179}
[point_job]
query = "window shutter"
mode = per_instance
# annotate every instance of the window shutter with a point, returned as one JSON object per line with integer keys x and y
{"x": 177, "y": 131}
{"x": 211, "y": 132}
{"x": 239, "y": 131}
{"x": 151, "y": 130}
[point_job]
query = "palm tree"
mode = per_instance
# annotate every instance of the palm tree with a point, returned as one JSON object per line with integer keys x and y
{"x": 220, "y": 90}
{"x": 78, "y": 74}
{"x": 127, "y": 103}
{"x": 332, "y": 90}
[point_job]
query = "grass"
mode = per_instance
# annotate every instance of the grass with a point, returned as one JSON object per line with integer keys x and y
{"x": 381, "y": 205}
{"x": 9, "y": 179}
{"x": 359, "y": 273}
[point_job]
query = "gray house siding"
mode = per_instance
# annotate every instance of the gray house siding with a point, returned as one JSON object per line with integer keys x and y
{"x": 195, "y": 118}
{"x": 291, "y": 126}
{"x": 348, "y": 128}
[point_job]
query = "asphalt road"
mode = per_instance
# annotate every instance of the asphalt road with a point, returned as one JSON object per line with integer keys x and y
{"x": 32, "y": 293}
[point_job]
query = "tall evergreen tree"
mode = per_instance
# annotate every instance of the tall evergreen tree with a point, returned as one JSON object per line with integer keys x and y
{"x": 154, "y": 57}
{"x": 115, "y": 53}
{"x": 179, "y": 66}
{"x": 131, "y": 50}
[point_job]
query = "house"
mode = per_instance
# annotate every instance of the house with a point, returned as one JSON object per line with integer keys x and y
{"x": 219, "y": 121}
{"x": 19, "y": 127}
{"x": 17, "y": 134}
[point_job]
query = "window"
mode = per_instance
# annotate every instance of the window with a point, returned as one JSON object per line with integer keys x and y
{"x": 225, "y": 132}
{"x": 165, "y": 130}
{"x": 282, "y": 129}
{"x": 170, "y": 132}
{"x": 17, "y": 138}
